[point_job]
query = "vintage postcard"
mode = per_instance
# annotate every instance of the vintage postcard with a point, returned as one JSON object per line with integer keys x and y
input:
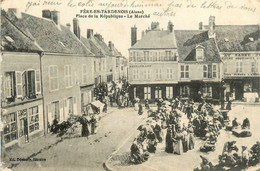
{"x": 130, "y": 85}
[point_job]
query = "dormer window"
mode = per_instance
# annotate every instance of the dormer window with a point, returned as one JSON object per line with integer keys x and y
{"x": 199, "y": 53}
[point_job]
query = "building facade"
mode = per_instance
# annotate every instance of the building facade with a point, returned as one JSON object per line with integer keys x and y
{"x": 199, "y": 66}
{"x": 21, "y": 95}
{"x": 153, "y": 64}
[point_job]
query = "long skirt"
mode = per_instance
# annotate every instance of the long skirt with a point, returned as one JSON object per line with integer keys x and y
{"x": 191, "y": 141}
{"x": 136, "y": 107}
{"x": 85, "y": 131}
{"x": 178, "y": 149}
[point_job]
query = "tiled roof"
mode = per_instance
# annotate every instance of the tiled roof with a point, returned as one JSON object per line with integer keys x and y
{"x": 90, "y": 45}
{"x": 13, "y": 39}
{"x": 235, "y": 38}
{"x": 187, "y": 40}
{"x": 156, "y": 39}
{"x": 101, "y": 45}
{"x": 50, "y": 38}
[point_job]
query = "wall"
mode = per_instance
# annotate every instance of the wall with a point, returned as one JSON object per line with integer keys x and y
{"x": 62, "y": 94}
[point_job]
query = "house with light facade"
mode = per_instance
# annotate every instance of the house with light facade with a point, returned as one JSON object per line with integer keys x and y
{"x": 153, "y": 63}
{"x": 21, "y": 90}
{"x": 65, "y": 63}
{"x": 239, "y": 47}
{"x": 199, "y": 65}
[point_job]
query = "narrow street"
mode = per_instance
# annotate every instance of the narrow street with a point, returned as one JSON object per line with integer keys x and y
{"x": 89, "y": 153}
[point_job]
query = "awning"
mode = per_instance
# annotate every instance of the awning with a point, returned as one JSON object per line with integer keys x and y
{"x": 98, "y": 104}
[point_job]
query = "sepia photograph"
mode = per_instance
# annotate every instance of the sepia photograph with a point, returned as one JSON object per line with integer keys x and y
{"x": 131, "y": 85}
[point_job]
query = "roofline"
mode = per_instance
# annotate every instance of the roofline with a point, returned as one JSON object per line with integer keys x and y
{"x": 241, "y": 52}
{"x": 149, "y": 48}
{"x": 68, "y": 54}
{"x": 25, "y": 53}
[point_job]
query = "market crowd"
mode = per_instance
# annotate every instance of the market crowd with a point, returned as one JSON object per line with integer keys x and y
{"x": 182, "y": 122}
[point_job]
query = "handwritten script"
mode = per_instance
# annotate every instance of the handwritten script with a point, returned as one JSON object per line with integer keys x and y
{"x": 160, "y": 9}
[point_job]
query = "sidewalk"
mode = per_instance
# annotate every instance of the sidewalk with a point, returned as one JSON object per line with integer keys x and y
{"x": 35, "y": 147}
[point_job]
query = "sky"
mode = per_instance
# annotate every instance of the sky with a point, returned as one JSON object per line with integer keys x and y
{"x": 186, "y": 14}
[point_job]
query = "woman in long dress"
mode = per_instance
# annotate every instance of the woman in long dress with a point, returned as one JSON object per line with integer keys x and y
{"x": 191, "y": 141}
{"x": 178, "y": 149}
{"x": 169, "y": 141}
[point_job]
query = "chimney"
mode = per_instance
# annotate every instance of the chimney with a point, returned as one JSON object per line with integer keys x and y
{"x": 170, "y": 26}
{"x": 76, "y": 28}
{"x": 200, "y": 26}
{"x": 89, "y": 33}
{"x": 98, "y": 36}
{"x": 68, "y": 26}
{"x": 211, "y": 26}
{"x": 55, "y": 15}
{"x": 133, "y": 35}
{"x": 15, "y": 11}
{"x": 46, "y": 14}
{"x": 110, "y": 45}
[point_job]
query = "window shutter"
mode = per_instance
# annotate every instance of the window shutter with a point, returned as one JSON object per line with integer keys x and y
{"x": 24, "y": 83}
{"x": 37, "y": 82}
{"x": 19, "y": 92}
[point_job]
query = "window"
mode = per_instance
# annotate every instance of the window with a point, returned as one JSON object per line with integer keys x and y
{"x": 147, "y": 92}
{"x": 239, "y": 66}
{"x": 10, "y": 128}
{"x": 158, "y": 74}
{"x": 84, "y": 74}
{"x": 199, "y": 54}
{"x": 22, "y": 115}
{"x": 56, "y": 110}
{"x": 104, "y": 66}
{"x": 146, "y": 55}
{"x": 254, "y": 67}
{"x": 147, "y": 74}
{"x": 9, "y": 84}
{"x": 169, "y": 92}
{"x": 184, "y": 71}
{"x": 207, "y": 91}
{"x": 33, "y": 119}
{"x": 158, "y": 92}
{"x": 95, "y": 67}
{"x": 68, "y": 76}
{"x": 214, "y": 71}
{"x": 135, "y": 74}
{"x": 167, "y": 55}
{"x": 53, "y": 76}
{"x": 134, "y": 57}
{"x": 205, "y": 71}
{"x": 70, "y": 101}
{"x": 155, "y": 56}
{"x": 169, "y": 73}
{"x": 19, "y": 85}
{"x": 184, "y": 91}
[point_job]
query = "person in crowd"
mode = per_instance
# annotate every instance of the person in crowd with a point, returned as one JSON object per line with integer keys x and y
{"x": 191, "y": 140}
{"x": 228, "y": 107}
{"x": 158, "y": 131}
{"x": 246, "y": 124}
{"x": 205, "y": 165}
{"x": 140, "y": 109}
{"x": 185, "y": 139}
{"x": 245, "y": 156}
{"x": 84, "y": 123}
{"x": 54, "y": 126}
{"x": 234, "y": 123}
{"x": 93, "y": 122}
{"x": 169, "y": 141}
{"x": 178, "y": 149}
{"x": 151, "y": 140}
{"x": 147, "y": 104}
